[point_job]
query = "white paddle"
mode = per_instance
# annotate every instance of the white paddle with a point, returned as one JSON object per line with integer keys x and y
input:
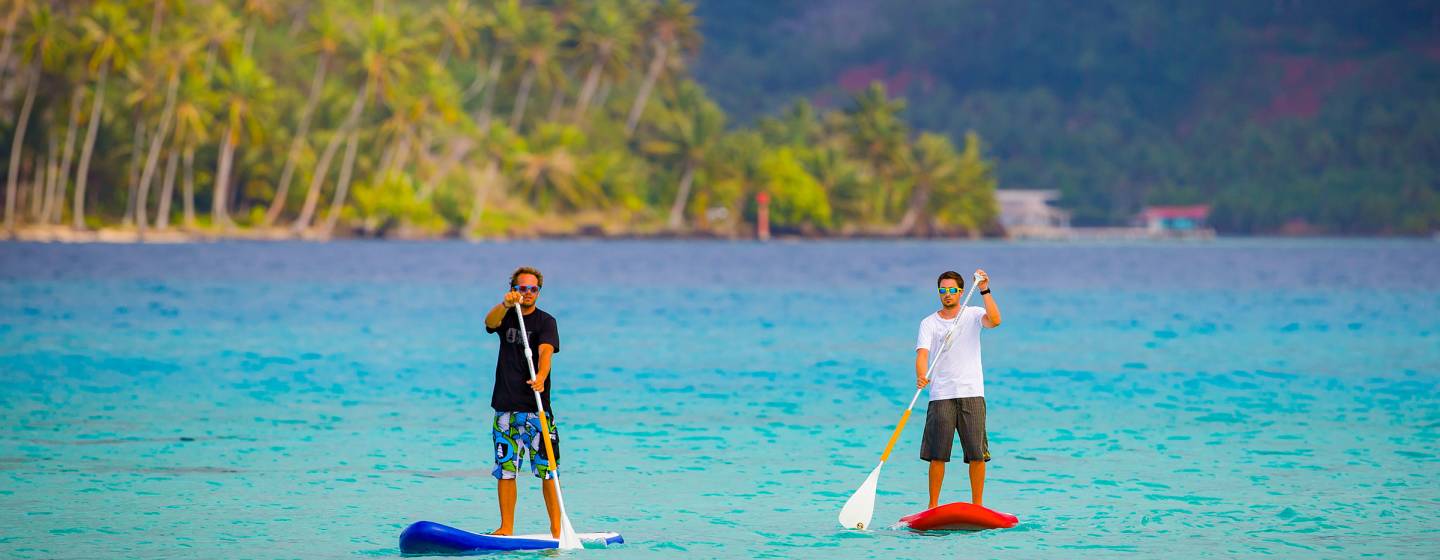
{"x": 568, "y": 539}
{"x": 861, "y": 506}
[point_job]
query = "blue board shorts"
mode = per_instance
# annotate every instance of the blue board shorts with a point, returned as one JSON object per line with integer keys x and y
{"x": 516, "y": 435}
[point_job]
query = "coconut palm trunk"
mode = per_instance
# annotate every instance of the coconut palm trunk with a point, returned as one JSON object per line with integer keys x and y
{"x": 167, "y": 192}
{"x": 219, "y": 202}
{"x": 682, "y": 197}
{"x": 152, "y": 158}
{"x": 17, "y": 144}
{"x": 652, "y": 75}
{"x": 54, "y": 205}
{"x": 522, "y": 96}
{"x": 916, "y": 220}
{"x": 492, "y": 83}
{"x": 189, "y": 187}
{"x": 322, "y": 169}
{"x": 40, "y": 190}
{"x": 136, "y": 151}
{"x": 82, "y": 175}
{"x": 342, "y": 186}
{"x": 317, "y": 85}
{"x": 592, "y": 83}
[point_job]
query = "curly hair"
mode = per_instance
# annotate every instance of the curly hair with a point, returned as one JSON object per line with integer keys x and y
{"x": 539, "y": 278}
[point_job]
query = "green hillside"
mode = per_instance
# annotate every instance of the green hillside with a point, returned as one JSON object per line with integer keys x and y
{"x": 1286, "y": 115}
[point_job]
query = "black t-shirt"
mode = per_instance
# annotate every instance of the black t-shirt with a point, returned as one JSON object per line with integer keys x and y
{"x": 511, "y": 393}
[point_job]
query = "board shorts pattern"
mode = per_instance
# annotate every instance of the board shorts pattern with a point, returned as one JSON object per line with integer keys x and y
{"x": 944, "y": 418}
{"x": 516, "y": 435}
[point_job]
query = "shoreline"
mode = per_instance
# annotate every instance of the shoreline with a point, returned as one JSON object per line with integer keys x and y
{"x": 132, "y": 236}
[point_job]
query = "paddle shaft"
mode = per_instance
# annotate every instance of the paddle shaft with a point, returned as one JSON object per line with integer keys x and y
{"x": 944, "y": 344}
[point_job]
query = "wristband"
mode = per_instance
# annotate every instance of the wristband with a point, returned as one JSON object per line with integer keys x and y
{"x": 985, "y": 292}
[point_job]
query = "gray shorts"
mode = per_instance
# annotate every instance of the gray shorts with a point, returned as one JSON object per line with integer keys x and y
{"x": 947, "y": 417}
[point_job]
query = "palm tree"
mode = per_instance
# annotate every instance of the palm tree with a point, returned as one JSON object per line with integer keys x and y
{"x": 385, "y": 55}
{"x": 257, "y": 12}
{"x": 936, "y": 164}
{"x": 41, "y": 50}
{"x": 193, "y": 112}
{"x": 672, "y": 28}
{"x": 247, "y": 91}
{"x": 877, "y": 136}
{"x": 170, "y": 60}
{"x": 548, "y": 162}
{"x": 967, "y": 199}
{"x": 218, "y": 29}
{"x": 457, "y": 21}
{"x": 326, "y": 45}
{"x": 500, "y": 26}
{"x": 536, "y": 46}
{"x": 18, "y": 9}
{"x": 111, "y": 33}
{"x": 604, "y": 34}
{"x": 51, "y": 212}
{"x": 495, "y": 146}
{"x": 685, "y": 132}
{"x": 16, "y": 143}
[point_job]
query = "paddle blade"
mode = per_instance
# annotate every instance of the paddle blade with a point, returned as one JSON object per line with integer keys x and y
{"x": 569, "y": 540}
{"x": 861, "y": 506}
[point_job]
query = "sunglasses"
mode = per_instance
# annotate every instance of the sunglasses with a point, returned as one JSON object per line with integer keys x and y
{"x": 944, "y": 291}
{"x": 526, "y": 289}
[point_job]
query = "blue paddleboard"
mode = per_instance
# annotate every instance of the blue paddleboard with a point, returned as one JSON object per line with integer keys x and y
{"x": 428, "y": 537}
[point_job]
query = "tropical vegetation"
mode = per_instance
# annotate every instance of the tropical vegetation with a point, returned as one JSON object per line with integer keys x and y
{"x": 473, "y": 118}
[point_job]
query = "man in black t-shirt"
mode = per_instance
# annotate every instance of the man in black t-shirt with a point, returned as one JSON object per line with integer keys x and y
{"x": 516, "y": 429}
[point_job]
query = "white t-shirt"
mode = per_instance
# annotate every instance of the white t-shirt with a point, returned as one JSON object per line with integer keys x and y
{"x": 958, "y": 373}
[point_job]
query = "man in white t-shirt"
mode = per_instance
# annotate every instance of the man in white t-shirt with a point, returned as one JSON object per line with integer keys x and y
{"x": 957, "y": 386}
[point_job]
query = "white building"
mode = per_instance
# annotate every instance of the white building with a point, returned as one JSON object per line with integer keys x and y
{"x": 1031, "y": 213}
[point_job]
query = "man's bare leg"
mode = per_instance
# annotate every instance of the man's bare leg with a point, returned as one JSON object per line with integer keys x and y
{"x": 506, "y": 489}
{"x": 937, "y": 476}
{"x": 977, "y": 481}
{"x": 552, "y": 506}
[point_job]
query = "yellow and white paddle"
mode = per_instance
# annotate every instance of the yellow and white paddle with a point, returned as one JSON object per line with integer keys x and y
{"x": 861, "y": 506}
{"x": 568, "y": 539}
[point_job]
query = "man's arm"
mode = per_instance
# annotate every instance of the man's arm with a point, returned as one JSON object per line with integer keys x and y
{"x": 542, "y": 367}
{"x": 922, "y": 360}
{"x": 992, "y": 311}
{"x": 497, "y": 313}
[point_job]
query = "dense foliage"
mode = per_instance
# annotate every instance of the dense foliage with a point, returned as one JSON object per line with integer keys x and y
{"x": 1314, "y": 115}
{"x": 464, "y": 117}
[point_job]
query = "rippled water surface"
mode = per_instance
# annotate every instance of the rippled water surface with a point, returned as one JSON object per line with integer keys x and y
{"x": 719, "y": 399}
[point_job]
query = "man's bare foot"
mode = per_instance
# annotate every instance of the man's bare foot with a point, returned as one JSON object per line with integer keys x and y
{"x": 503, "y": 531}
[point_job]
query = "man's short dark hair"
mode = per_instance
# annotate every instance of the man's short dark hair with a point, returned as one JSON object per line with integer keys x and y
{"x": 539, "y": 278}
{"x": 959, "y": 280}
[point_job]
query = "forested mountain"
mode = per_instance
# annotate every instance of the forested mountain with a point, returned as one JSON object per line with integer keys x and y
{"x": 1286, "y": 115}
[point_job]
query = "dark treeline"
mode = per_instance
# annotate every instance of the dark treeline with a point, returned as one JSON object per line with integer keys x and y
{"x": 471, "y": 118}
{"x": 1308, "y": 115}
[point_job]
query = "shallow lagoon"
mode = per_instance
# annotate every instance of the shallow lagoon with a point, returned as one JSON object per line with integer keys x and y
{"x": 718, "y": 399}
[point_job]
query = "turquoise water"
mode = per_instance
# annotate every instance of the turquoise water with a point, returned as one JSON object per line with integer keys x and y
{"x": 719, "y": 399}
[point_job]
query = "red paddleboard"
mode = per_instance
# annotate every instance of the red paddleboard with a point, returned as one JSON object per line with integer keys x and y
{"x": 959, "y": 516}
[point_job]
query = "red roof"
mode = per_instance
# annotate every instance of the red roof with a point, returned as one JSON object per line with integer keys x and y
{"x": 1193, "y": 212}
